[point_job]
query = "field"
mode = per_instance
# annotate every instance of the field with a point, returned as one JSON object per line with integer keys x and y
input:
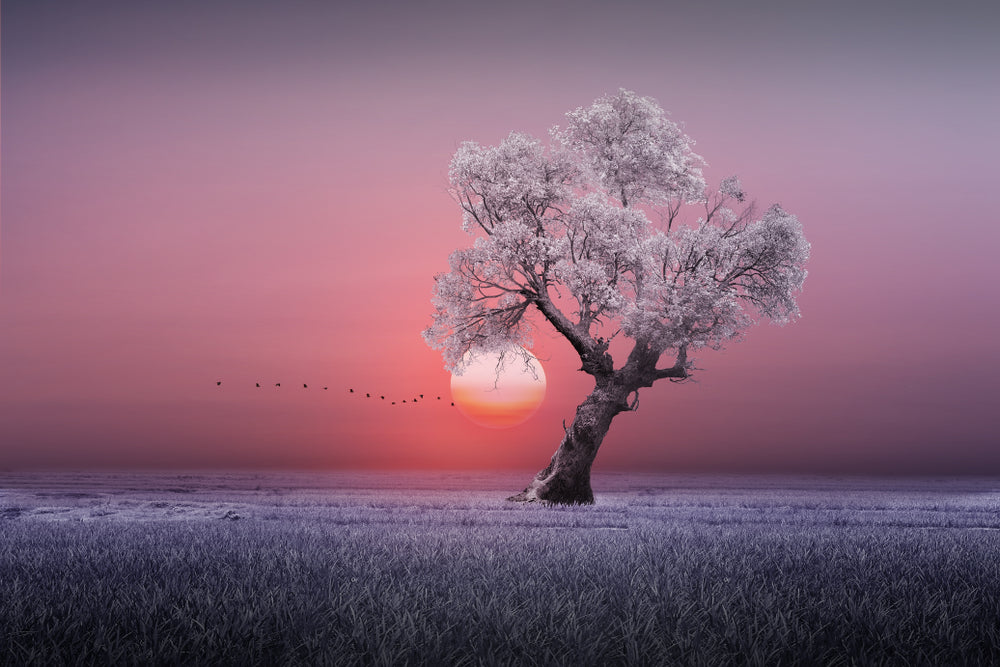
{"x": 363, "y": 568}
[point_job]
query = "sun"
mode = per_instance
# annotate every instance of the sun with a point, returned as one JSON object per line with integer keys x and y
{"x": 499, "y": 402}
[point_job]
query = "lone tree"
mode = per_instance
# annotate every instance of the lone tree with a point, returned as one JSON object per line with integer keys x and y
{"x": 565, "y": 233}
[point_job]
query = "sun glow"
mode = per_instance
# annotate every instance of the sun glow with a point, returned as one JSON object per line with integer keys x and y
{"x": 499, "y": 401}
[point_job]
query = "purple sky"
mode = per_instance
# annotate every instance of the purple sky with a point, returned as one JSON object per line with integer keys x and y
{"x": 245, "y": 192}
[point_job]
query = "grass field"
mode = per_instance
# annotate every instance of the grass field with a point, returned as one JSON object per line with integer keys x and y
{"x": 438, "y": 569}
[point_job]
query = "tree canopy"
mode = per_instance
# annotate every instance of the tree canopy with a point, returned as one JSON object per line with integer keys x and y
{"x": 590, "y": 233}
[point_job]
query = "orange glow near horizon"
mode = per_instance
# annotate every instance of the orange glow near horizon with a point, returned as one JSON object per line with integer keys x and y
{"x": 499, "y": 402}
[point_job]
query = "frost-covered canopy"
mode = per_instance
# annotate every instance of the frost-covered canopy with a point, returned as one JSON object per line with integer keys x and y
{"x": 564, "y": 231}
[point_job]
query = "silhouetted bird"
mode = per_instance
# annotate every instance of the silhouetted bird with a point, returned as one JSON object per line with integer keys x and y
{"x": 414, "y": 400}
{"x": 305, "y": 386}
{"x": 277, "y": 384}
{"x": 394, "y": 402}
{"x": 404, "y": 400}
{"x": 258, "y": 384}
{"x": 382, "y": 397}
{"x": 368, "y": 395}
{"x": 452, "y": 404}
{"x": 325, "y": 388}
{"x": 352, "y": 391}
{"x": 439, "y": 398}
{"x": 421, "y": 395}
{"x": 218, "y": 383}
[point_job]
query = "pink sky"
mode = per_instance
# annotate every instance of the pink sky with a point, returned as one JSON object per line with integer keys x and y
{"x": 257, "y": 192}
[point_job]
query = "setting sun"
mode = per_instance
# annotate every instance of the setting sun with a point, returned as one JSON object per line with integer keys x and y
{"x": 499, "y": 401}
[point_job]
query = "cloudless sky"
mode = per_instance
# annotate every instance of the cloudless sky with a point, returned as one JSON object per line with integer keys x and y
{"x": 250, "y": 191}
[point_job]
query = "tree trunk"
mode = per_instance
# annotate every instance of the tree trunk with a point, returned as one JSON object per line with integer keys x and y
{"x": 566, "y": 480}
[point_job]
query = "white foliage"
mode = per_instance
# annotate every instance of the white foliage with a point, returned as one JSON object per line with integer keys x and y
{"x": 731, "y": 187}
{"x": 561, "y": 221}
{"x": 635, "y": 152}
{"x": 515, "y": 180}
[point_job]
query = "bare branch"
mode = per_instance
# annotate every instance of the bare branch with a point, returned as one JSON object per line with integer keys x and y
{"x": 680, "y": 368}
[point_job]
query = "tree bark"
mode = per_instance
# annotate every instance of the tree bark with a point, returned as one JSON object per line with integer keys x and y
{"x": 566, "y": 480}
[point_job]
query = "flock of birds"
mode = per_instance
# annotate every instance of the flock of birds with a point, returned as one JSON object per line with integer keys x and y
{"x": 218, "y": 383}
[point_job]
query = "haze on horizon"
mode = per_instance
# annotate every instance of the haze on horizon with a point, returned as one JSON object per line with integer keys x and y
{"x": 249, "y": 192}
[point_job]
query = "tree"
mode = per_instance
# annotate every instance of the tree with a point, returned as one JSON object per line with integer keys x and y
{"x": 565, "y": 236}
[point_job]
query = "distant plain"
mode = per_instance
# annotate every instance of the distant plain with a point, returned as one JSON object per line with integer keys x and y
{"x": 437, "y": 568}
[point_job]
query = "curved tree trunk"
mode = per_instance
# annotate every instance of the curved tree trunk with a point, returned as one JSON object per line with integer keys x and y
{"x": 566, "y": 480}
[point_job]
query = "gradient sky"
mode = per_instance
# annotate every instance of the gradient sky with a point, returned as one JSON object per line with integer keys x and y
{"x": 243, "y": 191}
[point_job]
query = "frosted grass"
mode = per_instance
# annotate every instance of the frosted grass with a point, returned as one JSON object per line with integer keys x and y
{"x": 438, "y": 569}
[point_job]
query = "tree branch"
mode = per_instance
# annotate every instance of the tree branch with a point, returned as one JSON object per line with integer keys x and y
{"x": 581, "y": 343}
{"x": 593, "y": 354}
{"x": 680, "y": 368}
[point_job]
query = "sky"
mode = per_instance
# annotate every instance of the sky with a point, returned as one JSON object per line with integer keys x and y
{"x": 194, "y": 192}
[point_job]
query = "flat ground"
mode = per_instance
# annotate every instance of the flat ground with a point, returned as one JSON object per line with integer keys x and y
{"x": 418, "y": 568}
